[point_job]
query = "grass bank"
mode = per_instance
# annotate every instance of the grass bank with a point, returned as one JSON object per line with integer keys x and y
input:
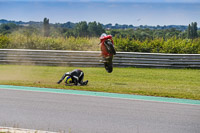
{"x": 177, "y": 83}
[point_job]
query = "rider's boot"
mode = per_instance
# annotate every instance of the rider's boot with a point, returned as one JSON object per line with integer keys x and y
{"x": 85, "y": 82}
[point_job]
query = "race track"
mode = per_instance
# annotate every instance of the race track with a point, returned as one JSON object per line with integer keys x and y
{"x": 89, "y": 114}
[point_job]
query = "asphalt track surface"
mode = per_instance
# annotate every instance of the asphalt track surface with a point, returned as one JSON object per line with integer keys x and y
{"x": 71, "y": 113}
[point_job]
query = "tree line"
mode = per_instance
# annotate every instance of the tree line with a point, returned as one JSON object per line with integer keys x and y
{"x": 105, "y": 26}
{"x": 95, "y": 29}
{"x": 52, "y": 36}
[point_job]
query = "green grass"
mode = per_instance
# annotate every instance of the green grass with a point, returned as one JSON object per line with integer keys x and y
{"x": 177, "y": 83}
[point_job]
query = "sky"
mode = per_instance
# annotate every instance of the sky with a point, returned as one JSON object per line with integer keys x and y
{"x": 131, "y": 12}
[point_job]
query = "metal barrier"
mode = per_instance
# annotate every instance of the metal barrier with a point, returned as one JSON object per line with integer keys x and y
{"x": 91, "y": 58}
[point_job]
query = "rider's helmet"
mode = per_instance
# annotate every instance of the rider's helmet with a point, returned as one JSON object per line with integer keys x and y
{"x": 103, "y": 35}
{"x": 68, "y": 80}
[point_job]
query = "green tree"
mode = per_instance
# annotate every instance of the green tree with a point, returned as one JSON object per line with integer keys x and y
{"x": 69, "y": 33}
{"x": 192, "y": 30}
{"x": 195, "y": 30}
{"x": 198, "y": 33}
{"x": 95, "y": 29}
{"x": 100, "y": 29}
{"x": 46, "y": 27}
{"x": 7, "y": 28}
{"x": 189, "y": 34}
{"x": 92, "y": 28}
{"x": 81, "y": 29}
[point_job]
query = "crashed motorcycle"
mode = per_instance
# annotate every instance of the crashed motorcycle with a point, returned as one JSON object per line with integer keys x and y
{"x": 107, "y": 51}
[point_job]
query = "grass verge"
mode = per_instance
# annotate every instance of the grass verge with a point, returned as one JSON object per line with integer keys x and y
{"x": 176, "y": 83}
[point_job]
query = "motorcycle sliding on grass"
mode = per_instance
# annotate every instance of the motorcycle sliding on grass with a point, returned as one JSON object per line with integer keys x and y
{"x": 107, "y": 51}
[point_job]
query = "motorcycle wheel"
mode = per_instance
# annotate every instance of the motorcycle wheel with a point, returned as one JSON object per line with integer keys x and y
{"x": 108, "y": 65}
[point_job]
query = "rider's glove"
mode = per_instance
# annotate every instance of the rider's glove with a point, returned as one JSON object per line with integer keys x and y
{"x": 59, "y": 81}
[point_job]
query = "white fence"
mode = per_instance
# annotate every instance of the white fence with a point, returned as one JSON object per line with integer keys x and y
{"x": 91, "y": 58}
